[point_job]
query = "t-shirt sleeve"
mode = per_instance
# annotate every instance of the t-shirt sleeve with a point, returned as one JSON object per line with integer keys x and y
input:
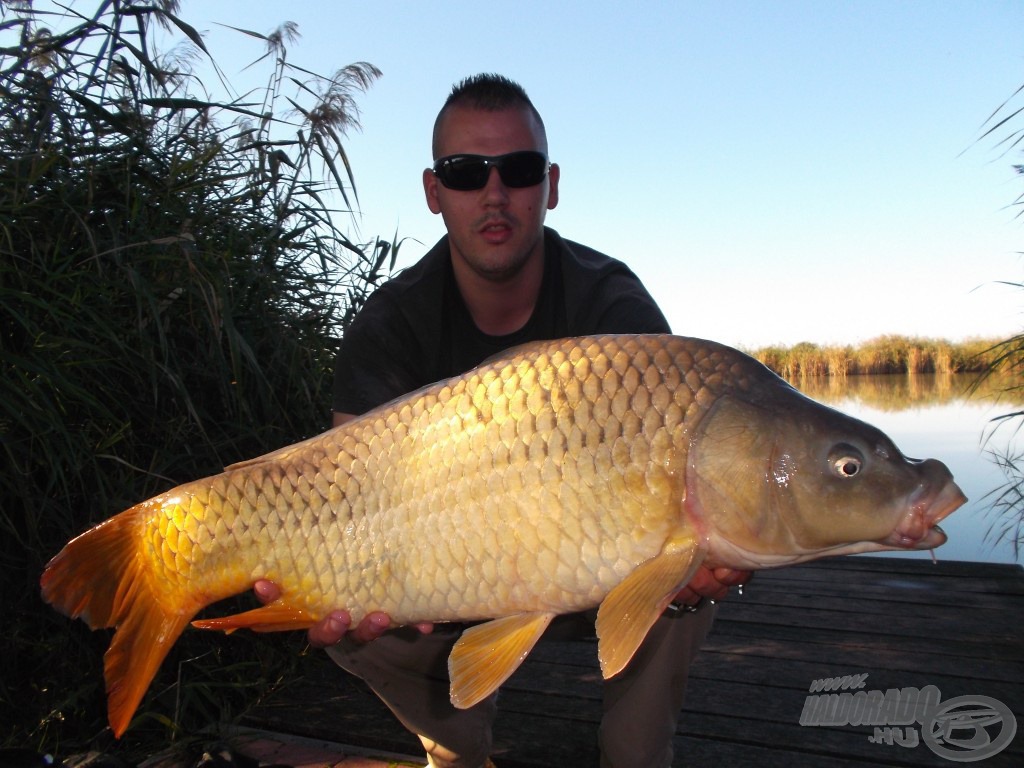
{"x": 376, "y": 361}
{"x": 627, "y": 307}
{"x": 602, "y": 294}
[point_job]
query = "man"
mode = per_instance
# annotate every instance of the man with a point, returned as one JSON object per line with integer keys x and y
{"x": 498, "y": 278}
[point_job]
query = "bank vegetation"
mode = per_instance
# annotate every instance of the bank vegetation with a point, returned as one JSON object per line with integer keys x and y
{"x": 175, "y": 270}
{"x": 883, "y": 355}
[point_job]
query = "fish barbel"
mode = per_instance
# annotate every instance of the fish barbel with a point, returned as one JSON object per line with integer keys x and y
{"x": 557, "y": 477}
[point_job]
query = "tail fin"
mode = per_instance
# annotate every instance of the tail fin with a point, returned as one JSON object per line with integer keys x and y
{"x": 104, "y": 577}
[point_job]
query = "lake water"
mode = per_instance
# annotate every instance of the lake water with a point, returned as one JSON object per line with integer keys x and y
{"x": 930, "y": 416}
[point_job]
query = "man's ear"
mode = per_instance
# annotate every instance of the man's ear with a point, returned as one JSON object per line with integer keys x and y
{"x": 430, "y": 183}
{"x": 554, "y": 173}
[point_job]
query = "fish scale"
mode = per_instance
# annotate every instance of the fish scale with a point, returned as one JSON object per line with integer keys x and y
{"x": 560, "y": 476}
{"x": 437, "y": 465}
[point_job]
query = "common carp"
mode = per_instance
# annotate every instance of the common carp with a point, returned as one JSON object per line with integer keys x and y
{"x": 559, "y": 476}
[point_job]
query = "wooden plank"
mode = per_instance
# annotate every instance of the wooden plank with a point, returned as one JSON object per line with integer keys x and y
{"x": 336, "y": 707}
{"x": 772, "y": 626}
{"x": 987, "y": 577}
{"x": 900, "y": 588}
{"x": 716, "y": 673}
{"x": 536, "y": 730}
{"x": 786, "y": 744}
{"x": 526, "y": 740}
{"x": 914, "y": 565}
{"x": 790, "y": 667}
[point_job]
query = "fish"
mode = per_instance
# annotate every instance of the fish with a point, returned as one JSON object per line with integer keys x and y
{"x": 560, "y": 476}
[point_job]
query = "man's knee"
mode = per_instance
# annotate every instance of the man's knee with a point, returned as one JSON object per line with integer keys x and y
{"x": 642, "y": 705}
{"x": 470, "y": 755}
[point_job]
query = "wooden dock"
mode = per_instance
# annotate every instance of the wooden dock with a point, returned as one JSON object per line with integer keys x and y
{"x": 903, "y": 622}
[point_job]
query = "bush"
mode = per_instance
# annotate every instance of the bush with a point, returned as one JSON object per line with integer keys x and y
{"x": 172, "y": 281}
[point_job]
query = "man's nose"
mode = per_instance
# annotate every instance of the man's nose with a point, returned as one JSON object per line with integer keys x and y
{"x": 495, "y": 188}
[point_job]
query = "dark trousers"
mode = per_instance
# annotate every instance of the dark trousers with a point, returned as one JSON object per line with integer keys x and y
{"x": 641, "y": 705}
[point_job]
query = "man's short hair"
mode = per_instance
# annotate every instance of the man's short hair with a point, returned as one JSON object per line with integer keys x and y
{"x": 488, "y": 92}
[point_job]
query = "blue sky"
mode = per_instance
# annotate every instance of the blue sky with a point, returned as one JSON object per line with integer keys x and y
{"x": 775, "y": 172}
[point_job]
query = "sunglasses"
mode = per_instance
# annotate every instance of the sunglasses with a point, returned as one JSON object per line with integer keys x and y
{"x": 469, "y": 172}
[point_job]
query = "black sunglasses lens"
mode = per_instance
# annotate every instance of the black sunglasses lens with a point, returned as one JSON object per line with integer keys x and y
{"x": 523, "y": 169}
{"x": 470, "y": 172}
{"x": 463, "y": 173}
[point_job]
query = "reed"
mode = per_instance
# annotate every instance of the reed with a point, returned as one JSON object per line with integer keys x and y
{"x": 173, "y": 277}
{"x": 1007, "y": 356}
{"x": 883, "y": 355}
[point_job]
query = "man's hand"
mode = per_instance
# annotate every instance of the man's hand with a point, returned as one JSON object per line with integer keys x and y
{"x": 713, "y": 584}
{"x": 706, "y": 583}
{"x": 336, "y": 624}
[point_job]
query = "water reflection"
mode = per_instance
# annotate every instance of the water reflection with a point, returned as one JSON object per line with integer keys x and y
{"x": 948, "y": 418}
{"x": 899, "y": 392}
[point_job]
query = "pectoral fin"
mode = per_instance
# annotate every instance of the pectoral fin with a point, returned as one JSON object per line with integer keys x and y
{"x": 632, "y": 607}
{"x": 277, "y": 616}
{"x": 487, "y": 654}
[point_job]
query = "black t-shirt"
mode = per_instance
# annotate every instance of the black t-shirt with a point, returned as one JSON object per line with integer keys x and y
{"x": 416, "y": 329}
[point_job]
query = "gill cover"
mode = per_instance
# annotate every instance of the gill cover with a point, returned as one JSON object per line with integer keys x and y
{"x": 787, "y": 474}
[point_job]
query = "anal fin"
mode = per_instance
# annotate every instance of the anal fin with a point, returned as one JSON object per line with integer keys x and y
{"x": 277, "y": 616}
{"x": 629, "y": 611}
{"x": 486, "y": 655}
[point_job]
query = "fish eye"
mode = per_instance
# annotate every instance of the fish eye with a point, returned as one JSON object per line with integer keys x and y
{"x": 846, "y": 461}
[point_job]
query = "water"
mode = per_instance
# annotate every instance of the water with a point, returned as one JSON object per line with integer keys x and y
{"x": 931, "y": 416}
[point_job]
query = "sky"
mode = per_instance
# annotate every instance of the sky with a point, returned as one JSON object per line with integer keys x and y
{"x": 775, "y": 172}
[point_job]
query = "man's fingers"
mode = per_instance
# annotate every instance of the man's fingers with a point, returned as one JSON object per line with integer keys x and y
{"x": 705, "y": 584}
{"x": 336, "y": 624}
{"x": 266, "y": 591}
{"x": 731, "y": 577}
{"x": 329, "y": 630}
{"x": 713, "y": 584}
{"x": 371, "y": 627}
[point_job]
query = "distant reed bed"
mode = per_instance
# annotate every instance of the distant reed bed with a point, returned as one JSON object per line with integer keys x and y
{"x": 883, "y": 355}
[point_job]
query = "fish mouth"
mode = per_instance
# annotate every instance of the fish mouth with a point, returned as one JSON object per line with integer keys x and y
{"x": 919, "y": 527}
